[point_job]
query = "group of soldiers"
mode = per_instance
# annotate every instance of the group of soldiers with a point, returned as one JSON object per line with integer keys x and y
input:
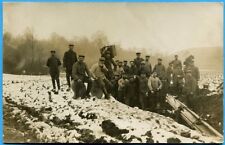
{"x": 135, "y": 84}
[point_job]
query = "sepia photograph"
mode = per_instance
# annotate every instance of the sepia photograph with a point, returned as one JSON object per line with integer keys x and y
{"x": 113, "y": 72}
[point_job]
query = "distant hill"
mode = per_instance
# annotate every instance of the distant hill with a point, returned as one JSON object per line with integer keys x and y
{"x": 205, "y": 58}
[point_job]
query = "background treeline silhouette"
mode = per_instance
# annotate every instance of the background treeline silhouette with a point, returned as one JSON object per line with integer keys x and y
{"x": 26, "y": 53}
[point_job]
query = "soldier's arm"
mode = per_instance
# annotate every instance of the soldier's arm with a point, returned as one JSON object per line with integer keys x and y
{"x": 75, "y": 56}
{"x": 114, "y": 63}
{"x": 87, "y": 70}
{"x": 150, "y": 66}
{"x": 93, "y": 70}
{"x": 48, "y": 63}
{"x": 150, "y": 84}
{"x": 59, "y": 62}
{"x": 160, "y": 83}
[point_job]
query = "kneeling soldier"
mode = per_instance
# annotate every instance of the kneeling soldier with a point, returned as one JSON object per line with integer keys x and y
{"x": 79, "y": 72}
{"x": 98, "y": 72}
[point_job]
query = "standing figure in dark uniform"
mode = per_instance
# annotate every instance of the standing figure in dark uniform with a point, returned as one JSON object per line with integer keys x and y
{"x": 53, "y": 64}
{"x": 138, "y": 60}
{"x": 160, "y": 70}
{"x": 69, "y": 58}
{"x": 143, "y": 90}
{"x": 126, "y": 68}
{"x": 161, "y": 73}
{"x": 148, "y": 66}
{"x": 133, "y": 69}
{"x": 81, "y": 75}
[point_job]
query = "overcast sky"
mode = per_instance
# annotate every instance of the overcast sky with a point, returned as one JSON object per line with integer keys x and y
{"x": 165, "y": 26}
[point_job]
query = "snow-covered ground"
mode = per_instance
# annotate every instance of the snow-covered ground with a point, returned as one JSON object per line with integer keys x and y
{"x": 59, "y": 118}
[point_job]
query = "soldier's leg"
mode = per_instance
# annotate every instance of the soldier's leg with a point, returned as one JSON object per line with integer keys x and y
{"x": 142, "y": 100}
{"x": 53, "y": 81}
{"x": 68, "y": 75}
{"x": 89, "y": 86}
{"x": 58, "y": 81}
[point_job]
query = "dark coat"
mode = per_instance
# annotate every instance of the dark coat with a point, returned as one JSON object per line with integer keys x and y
{"x": 133, "y": 70}
{"x": 53, "y": 64}
{"x": 126, "y": 69}
{"x": 69, "y": 58}
{"x": 80, "y": 70}
{"x": 160, "y": 70}
{"x": 177, "y": 63}
{"x": 137, "y": 62}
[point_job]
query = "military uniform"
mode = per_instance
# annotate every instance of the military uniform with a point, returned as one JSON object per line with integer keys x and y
{"x": 169, "y": 78}
{"x": 138, "y": 60}
{"x": 53, "y": 63}
{"x": 108, "y": 64}
{"x": 190, "y": 88}
{"x": 143, "y": 91}
{"x": 126, "y": 68}
{"x": 79, "y": 72}
{"x": 155, "y": 86}
{"x": 133, "y": 70}
{"x": 161, "y": 71}
{"x": 69, "y": 58}
{"x": 178, "y": 80}
{"x": 98, "y": 73}
{"x": 177, "y": 63}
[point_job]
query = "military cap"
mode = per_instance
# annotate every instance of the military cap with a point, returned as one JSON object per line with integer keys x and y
{"x": 102, "y": 59}
{"x": 125, "y": 61}
{"x": 147, "y": 56}
{"x": 159, "y": 59}
{"x": 81, "y": 55}
{"x": 131, "y": 61}
{"x": 120, "y": 62}
{"x": 71, "y": 44}
{"x": 138, "y": 53}
{"x": 52, "y": 51}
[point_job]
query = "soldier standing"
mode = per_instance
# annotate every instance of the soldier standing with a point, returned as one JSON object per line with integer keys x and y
{"x": 169, "y": 77}
{"x": 178, "y": 80}
{"x": 126, "y": 68}
{"x": 177, "y": 63}
{"x": 53, "y": 64}
{"x": 160, "y": 69}
{"x": 143, "y": 90}
{"x": 148, "y": 66}
{"x": 138, "y": 60}
{"x": 69, "y": 58}
{"x": 155, "y": 85}
{"x": 81, "y": 75}
{"x": 195, "y": 71}
{"x": 133, "y": 69}
{"x": 190, "y": 87}
{"x": 98, "y": 72}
